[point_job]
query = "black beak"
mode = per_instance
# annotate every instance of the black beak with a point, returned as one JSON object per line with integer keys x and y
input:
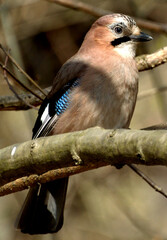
{"x": 142, "y": 37}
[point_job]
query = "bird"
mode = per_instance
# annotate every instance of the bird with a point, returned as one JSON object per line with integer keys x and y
{"x": 97, "y": 86}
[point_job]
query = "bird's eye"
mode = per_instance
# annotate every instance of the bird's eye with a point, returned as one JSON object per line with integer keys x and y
{"x": 118, "y": 30}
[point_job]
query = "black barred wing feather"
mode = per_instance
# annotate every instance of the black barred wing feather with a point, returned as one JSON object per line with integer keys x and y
{"x": 52, "y": 108}
{"x": 43, "y": 208}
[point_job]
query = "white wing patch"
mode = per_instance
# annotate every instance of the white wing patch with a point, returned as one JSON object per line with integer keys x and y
{"x": 45, "y": 118}
{"x": 45, "y": 114}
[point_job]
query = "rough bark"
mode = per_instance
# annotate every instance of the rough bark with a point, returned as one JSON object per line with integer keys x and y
{"x": 80, "y": 151}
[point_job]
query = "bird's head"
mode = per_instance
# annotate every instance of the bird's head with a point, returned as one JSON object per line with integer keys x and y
{"x": 118, "y": 32}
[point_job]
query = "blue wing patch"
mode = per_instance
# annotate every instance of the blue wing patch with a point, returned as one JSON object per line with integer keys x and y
{"x": 62, "y": 103}
{"x": 52, "y": 108}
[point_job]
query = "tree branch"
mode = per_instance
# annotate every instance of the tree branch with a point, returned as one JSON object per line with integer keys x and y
{"x": 21, "y": 70}
{"x": 162, "y": 126}
{"x": 13, "y": 77}
{"x": 144, "y": 62}
{"x": 150, "y": 92}
{"x": 148, "y": 180}
{"x": 75, "y": 152}
{"x": 13, "y": 103}
{"x": 29, "y": 181}
{"x": 150, "y": 61}
{"x": 98, "y": 12}
{"x": 12, "y": 88}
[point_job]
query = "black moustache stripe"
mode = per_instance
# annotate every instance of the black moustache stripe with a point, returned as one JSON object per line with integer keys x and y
{"x": 120, "y": 40}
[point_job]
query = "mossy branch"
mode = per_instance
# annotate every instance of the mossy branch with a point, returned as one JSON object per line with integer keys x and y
{"x": 71, "y": 153}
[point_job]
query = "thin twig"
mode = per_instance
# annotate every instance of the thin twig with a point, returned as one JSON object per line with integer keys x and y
{"x": 148, "y": 180}
{"x": 151, "y": 92}
{"x": 98, "y": 12}
{"x": 11, "y": 87}
{"x": 19, "y": 82}
{"x": 80, "y": 6}
{"x": 29, "y": 181}
{"x": 21, "y": 70}
{"x": 152, "y": 26}
{"x": 161, "y": 126}
{"x": 10, "y": 103}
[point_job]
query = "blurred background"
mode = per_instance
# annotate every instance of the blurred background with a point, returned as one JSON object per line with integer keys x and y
{"x": 105, "y": 203}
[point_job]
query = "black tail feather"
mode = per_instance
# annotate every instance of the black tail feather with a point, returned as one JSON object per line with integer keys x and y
{"x": 43, "y": 208}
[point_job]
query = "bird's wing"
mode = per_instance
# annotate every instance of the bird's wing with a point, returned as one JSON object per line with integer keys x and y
{"x": 52, "y": 108}
{"x": 72, "y": 69}
{"x": 58, "y": 99}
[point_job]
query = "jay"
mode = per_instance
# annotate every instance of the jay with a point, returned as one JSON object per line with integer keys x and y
{"x": 96, "y": 87}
